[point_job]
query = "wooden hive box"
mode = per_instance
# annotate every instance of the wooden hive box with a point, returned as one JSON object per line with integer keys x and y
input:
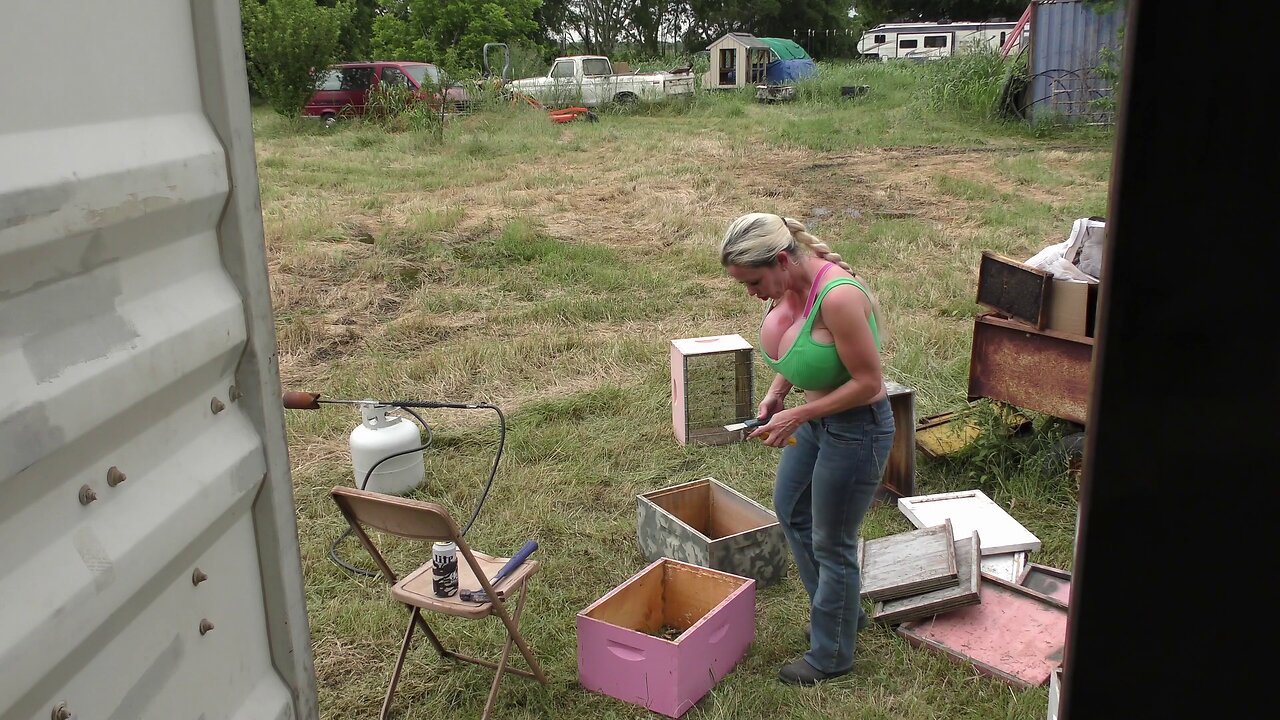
{"x": 712, "y": 385}
{"x": 899, "y": 479}
{"x": 666, "y": 636}
{"x": 708, "y": 523}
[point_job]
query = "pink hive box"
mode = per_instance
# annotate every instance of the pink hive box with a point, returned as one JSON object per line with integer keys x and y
{"x": 622, "y": 647}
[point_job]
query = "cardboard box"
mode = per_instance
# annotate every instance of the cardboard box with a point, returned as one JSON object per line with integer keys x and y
{"x": 625, "y": 648}
{"x": 1072, "y": 307}
{"x": 708, "y": 523}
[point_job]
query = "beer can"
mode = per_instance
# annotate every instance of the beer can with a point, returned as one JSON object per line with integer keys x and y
{"x": 444, "y": 569}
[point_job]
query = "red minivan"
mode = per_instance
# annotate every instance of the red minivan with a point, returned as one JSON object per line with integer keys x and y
{"x": 342, "y": 89}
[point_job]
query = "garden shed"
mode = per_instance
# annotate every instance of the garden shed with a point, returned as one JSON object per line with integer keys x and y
{"x": 743, "y": 60}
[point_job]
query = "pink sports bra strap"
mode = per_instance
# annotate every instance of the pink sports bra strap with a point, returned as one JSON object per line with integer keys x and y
{"x": 813, "y": 291}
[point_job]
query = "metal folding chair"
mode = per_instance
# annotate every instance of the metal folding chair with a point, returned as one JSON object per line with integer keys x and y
{"x": 430, "y": 522}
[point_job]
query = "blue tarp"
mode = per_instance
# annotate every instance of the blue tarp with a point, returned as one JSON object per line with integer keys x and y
{"x": 780, "y": 72}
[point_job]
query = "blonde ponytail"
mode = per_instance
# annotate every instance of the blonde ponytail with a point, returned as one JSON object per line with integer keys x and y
{"x": 824, "y": 252}
{"x": 819, "y": 248}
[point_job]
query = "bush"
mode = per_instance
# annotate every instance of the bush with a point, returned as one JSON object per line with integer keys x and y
{"x": 968, "y": 84}
{"x": 286, "y": 43}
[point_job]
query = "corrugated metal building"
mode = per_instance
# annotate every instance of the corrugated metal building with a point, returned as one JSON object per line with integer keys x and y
{"x": 1067, "y": 42}
{"x": 149, "y": 561}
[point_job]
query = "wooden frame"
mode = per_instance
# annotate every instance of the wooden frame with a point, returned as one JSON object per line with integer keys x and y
{"x": 666, "y": 636}
{"x": 908, "y": 563}
{"x": 900, "y": 471}
{"x": 947, "y": 433}
{"x": 692, "y": 420}
{"x": 971, "y": 510}
{"x": 1014, "y": 289}
{"x": 668, "y": 592}
{"x": 708, "y": 523}
{"x": 1006, "y": 566}
{"x": 1043, "y": 370}
{"x": 968, "y": 553}
{"x": 1051, "y": 581}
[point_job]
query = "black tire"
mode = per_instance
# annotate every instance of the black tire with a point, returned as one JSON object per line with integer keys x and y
{"x": 329, "y": 119}
{"x": 625, "y": 98}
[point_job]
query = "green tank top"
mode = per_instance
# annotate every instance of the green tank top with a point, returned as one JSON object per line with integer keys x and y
{"x": 812, "y": 365}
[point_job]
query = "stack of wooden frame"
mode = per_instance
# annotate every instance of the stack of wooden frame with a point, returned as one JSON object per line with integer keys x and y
{"x": 965, "y": 592}
{"x": 919, "y": 573}
{"x": 1034, "y": 347}
{"x": 934, "y": 584}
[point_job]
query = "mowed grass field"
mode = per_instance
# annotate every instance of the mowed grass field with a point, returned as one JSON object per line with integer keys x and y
{"x": 545, "y": 269}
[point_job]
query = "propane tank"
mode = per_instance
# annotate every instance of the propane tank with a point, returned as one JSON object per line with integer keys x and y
{"x": 378, "y": 435}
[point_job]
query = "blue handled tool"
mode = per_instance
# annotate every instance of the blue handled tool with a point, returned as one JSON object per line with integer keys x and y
{"x": 516, "y": 561}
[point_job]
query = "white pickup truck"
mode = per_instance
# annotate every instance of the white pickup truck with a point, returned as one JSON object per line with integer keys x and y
{"x": 590, "y": 80}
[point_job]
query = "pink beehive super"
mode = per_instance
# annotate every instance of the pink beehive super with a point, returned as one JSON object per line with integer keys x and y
{"x": 623, "y": 645}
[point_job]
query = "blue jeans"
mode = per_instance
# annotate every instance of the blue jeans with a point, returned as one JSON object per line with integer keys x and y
{"x": 826, "y": 483}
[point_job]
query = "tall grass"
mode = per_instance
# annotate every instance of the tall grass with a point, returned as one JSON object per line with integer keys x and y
{"x": 885, "y": 83}
{"x": 398, "y": 109}
{"x": 968, "y": 83}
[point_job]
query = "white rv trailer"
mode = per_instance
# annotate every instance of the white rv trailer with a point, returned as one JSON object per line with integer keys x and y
{"x": 931, "y": 40}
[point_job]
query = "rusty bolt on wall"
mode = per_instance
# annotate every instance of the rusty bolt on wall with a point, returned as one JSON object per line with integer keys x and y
{"x": 234, "y": 393}
{"x": 198, "y": 576}
{"x": 115, "y": 477}
{"x": 205, "y": 626}
{"x": 216, "y": 406}
{"x": 60, "y": 712}
{"x": 87, "y": 495}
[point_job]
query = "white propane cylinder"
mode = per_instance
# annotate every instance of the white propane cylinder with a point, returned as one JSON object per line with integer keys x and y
{"x": 379, "y": 435}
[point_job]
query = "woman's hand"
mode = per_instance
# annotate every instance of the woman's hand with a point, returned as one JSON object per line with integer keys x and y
{"x": 770, "y": 406}
{"x": 781, "y": 426}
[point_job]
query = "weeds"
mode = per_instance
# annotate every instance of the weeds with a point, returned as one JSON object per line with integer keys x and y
{"x": 1031, "y": 463}
{"x": 968, "y": 83}
{"x": 398, "y": 109}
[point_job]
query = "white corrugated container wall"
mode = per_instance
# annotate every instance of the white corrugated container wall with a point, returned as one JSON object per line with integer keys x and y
{"x": 141, "y": 434}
